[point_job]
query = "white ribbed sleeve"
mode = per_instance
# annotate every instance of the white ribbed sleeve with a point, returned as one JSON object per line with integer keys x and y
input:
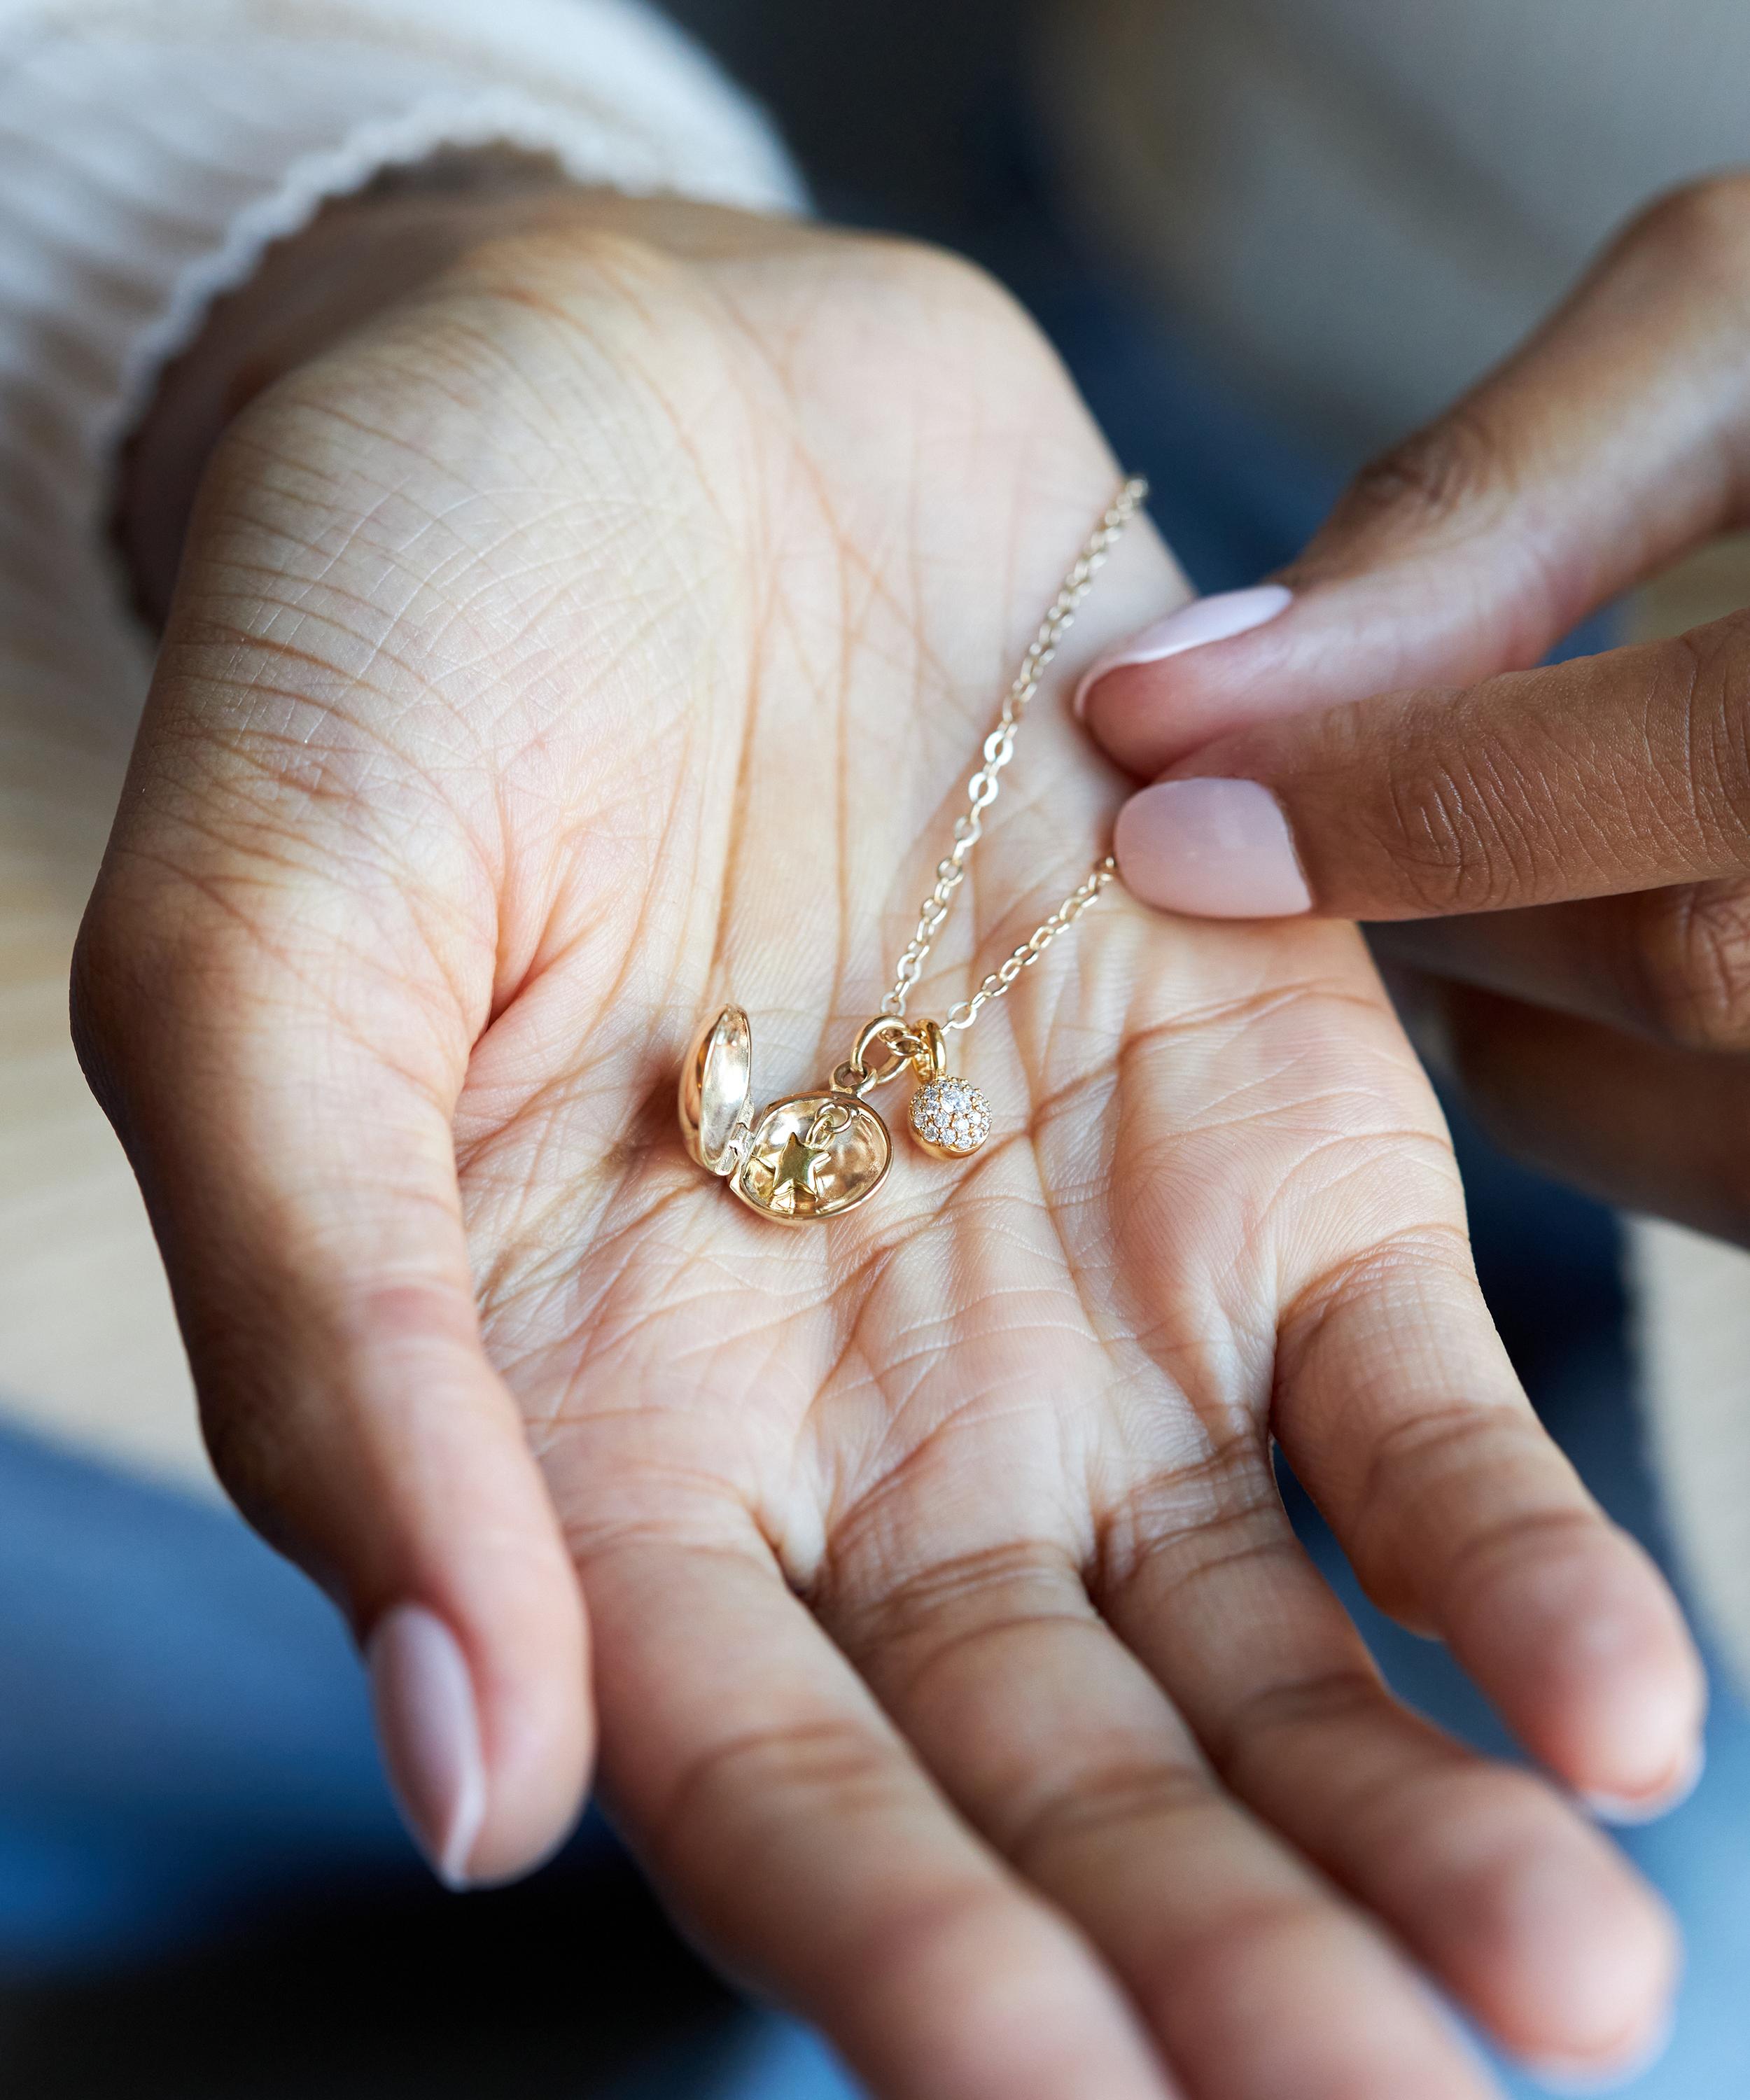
{"x": 149, "y": 150}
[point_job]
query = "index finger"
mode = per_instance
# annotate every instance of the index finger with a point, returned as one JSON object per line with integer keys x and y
{"x": 1607, "y": 774}
{"x": 1609, "y": 443}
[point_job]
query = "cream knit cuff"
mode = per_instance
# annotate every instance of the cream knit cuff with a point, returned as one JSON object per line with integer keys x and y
{"x": 151, "y": 150}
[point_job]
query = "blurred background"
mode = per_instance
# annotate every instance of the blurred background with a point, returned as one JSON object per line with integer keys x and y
{"x": 1266, "y": 235}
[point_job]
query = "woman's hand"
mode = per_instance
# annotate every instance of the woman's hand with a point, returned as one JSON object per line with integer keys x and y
{"x": 608, "y": 633}
{"x": 1597, "y": 813}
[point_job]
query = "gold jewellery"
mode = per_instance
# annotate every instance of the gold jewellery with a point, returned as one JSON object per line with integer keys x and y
{"x": 815, "y": 1156}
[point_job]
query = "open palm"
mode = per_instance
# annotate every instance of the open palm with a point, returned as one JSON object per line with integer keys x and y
{"x": 608, "y": 637}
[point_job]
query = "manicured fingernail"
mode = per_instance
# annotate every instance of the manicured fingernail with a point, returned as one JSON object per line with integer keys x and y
{"x": 422, "y": 1696}
{"x": 1562, "y": 2075}
{"x": 1627, "y": 1809}
{"x": 1217, "y": 619}
{"x": 1211, "y": 848}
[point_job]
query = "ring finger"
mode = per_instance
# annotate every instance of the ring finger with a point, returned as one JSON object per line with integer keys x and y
{"x": 1646, "y": 1124}
{"x": 1259, "y": 1979}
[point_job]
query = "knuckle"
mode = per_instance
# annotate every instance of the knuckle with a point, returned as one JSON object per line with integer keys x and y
{"x": 1473, "y": 1830}
{"x": 872, "y": 270}
{"x": 975, "y": 1585}
{"x": 252, "y": 1449}
{"x": 1245, "y": 1948}
{"x": 1301, "y": 1708}
{"x": 1174, "y": 1528}
{"x": 1104, "y": 1804}
{"x": 1703, "y": 687}
{"x": 545, "y": 275}
{"x": 924, "y": 267}
{"x": 932, "y": 1624}
{"x": 950, "y": 307}
{"x": 1430, "y": 1461}
{"x": 1498, "y": 1558}
{"x": 1691, "y": 959}
{"x": 1463, "y": 828}
{"x": 93, "y": 989}
{"x": 1701, "y": 226}
{"x": 831, "y": 1769}
{"x": 1438, "y": 475}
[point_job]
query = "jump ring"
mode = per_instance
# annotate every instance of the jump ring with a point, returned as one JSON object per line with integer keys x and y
{"x": 850, "y": 1077}
{"x": 894, "y": 1037}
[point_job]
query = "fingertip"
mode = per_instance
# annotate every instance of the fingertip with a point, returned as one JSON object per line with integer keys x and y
{"x": 1221, "y": 617}
{"x": 533, "y": 1666}
{"x": 453, "y": 1555}
{"x": 1615, "y": 1696}
{"x": 488, "y": 1772}
{"x": 1626, "y": 1811}
{"x": 1569, "y": 1627}
{"x": 1211, "y": 848}
{"x": 1551, "y": 1937}
{"x": 1612, "y": 2069}
{"x": 1147, "y": 718}
{"x": 1611, "y": 2073}
{"x": 478, "y": 1642}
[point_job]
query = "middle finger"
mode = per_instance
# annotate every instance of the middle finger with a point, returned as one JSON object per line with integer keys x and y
{"x": 1519, "y": 1909}
{"x": 1259, "y": 1978}
{"x": 1670, "y": 964}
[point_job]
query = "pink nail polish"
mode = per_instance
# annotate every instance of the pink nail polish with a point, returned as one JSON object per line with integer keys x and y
{"x": 422, "y": 1696}
{"x": 1205, "y": 620}
{"x": 1211, "y": 849}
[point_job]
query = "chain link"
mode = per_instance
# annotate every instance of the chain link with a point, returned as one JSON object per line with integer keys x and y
{"x": 982, "y": 790}
{"x": 1035, "y": 945}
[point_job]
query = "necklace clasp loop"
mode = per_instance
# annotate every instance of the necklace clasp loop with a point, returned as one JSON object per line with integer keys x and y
{"x": 900, "y": 1046}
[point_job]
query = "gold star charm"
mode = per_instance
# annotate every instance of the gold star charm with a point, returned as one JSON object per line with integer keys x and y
{"x": 797, "y": 1166}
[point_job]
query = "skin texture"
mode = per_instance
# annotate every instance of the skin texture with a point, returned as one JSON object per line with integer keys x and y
{"x": 604, "y": 633}
{"x": 1575, "y": 842}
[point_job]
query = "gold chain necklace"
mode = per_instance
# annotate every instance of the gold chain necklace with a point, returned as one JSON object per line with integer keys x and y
{"x": 814, "y": 1156}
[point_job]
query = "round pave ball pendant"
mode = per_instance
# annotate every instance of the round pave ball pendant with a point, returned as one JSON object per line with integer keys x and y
{"x": 950, "y": 1117}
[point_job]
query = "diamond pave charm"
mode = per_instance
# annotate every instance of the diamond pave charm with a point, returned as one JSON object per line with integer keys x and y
{"x": 950, "y": 1117}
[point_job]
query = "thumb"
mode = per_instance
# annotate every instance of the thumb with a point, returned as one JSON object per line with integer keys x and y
{"x": 1616, "y": 438}
{"x": 298, "y": 1162}
{"x": 1599, "y": 778}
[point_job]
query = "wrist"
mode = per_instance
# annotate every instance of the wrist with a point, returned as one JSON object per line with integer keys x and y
{"x": 361, "y": 258}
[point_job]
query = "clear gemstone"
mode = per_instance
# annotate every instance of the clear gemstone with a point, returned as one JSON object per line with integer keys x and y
{"x": 952, "y": 1114}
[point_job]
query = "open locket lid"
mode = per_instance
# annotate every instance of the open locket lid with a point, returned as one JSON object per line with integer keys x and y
{"x": 716, "y": 1092}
